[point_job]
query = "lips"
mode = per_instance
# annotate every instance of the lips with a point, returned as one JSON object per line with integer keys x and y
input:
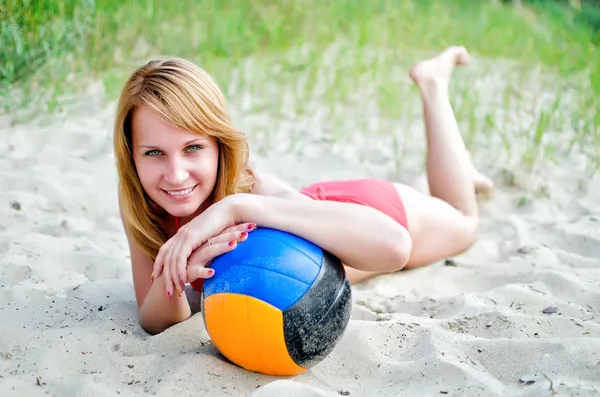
{"x": 180, "y": 193}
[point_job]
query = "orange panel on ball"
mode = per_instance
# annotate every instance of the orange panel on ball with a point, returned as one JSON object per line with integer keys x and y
{"x": 249, "y": 332}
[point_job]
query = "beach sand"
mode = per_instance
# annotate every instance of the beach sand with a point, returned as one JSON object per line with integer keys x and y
{"x": 471, "y": 326}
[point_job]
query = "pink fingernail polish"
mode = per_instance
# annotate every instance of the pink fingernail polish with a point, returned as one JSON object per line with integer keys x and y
{"x": 168, "y": 294}
{"x": 252, "y": 226}
{"x": 182, "y": 283}
{"x": 243, "y": 234}
{"x": 211, "y": 272}
{"x": 232, "y": 242}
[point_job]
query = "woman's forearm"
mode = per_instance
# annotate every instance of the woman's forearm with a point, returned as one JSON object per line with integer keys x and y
{"x": 158, "y": 313}
{"x": 359, "y": 236}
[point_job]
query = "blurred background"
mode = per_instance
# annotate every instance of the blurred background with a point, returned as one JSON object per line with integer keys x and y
{"x": 338, "y": 66}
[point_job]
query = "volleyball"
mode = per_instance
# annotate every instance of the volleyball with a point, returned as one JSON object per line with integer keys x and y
{"x": 277, "y": 304}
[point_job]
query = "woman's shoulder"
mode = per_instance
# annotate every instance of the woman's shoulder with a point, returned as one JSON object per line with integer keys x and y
{"x": 269, "y": 184}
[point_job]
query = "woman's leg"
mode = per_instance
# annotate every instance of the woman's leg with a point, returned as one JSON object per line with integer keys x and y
{"x": 448, "y": 164}
{"x": 445, "y": 222}
{"x": 483, "y": 184}
{"x": 443, "y": 216}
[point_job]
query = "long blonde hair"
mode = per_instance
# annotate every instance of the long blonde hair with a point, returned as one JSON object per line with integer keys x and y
{"x": 187, "y": 97}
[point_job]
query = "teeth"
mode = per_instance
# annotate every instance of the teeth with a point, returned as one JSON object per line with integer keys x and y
{"x": 181, "y": 192}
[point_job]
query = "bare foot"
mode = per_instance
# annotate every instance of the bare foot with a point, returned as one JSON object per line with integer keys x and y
{"x": 436, "y": 71}
{"x": 482, "y": 183}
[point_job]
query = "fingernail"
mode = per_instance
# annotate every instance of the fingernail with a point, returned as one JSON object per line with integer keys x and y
{"x": 182, "y": 284}
{"x": 243, "y": 234}
{"x": 168, "y": 294}
{"x": 211, "y": 272}
{"x": 152, "y": 278}
{"x": 252, "y": 226}
{"x": 232, "y": 243}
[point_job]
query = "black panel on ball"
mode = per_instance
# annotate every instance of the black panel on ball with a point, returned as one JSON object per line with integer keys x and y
{"x": 314, "y": 324}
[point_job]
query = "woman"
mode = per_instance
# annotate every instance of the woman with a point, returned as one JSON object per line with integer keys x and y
{"x": 187, "y": 193}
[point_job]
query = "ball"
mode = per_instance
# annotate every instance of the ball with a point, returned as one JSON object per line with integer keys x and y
{"x": 277, "y": 304}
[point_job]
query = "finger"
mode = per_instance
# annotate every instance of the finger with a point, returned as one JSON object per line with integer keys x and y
{"x": 183, "y": 248}
{"x": 171, "y": 263}
{"x": 199, "y": 271}
{"x": 174, "y": 270}
{"x": 167, "y": 276}
{"x": 157, "y": 269}
{"x": 227, "y": 237}
{"x": 242, "y": 227}
{"x": 205, "y": 255}
{"x": 179, "y": 274}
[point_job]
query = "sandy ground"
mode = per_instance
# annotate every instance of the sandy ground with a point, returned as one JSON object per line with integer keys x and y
{"x": 473, "y": 326}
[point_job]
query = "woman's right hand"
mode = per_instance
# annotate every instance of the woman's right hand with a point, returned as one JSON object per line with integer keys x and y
{"x": 200, "y": 260}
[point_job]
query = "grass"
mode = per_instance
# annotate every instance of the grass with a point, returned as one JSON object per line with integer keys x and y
{"x": 309, "y": 64}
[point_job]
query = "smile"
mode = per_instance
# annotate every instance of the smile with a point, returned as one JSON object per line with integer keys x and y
{"x": 180, "y": 193}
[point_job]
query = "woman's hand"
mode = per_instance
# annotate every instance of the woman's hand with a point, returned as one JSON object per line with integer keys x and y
{"x": 213, "y": 225}
{"x": 198, "y": 262}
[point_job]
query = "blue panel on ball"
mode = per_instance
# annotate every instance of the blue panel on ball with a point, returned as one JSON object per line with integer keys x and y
{"x": 271, "y": 265}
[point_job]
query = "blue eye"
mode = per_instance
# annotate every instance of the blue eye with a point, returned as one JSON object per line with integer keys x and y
{"x": 194, "y": 148}
{"x": 152, "y": 153}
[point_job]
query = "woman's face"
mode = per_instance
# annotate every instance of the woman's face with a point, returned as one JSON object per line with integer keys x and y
{"x": 177, "y": 169}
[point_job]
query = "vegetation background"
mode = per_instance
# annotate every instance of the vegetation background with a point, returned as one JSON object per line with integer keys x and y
{"x": 535, "y": 93}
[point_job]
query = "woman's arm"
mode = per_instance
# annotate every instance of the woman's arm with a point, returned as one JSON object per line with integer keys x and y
{"x": 269, "y": 185}
{"x": 361, "y": 237}
{"x": 156, "y": 311}
{"x": 363, "y": 226}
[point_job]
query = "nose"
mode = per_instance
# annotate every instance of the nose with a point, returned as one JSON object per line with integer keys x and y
{"x": 176, "y": 172}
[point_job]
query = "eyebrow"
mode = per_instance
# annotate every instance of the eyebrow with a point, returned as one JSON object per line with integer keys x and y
{"x": 185, "y": 144}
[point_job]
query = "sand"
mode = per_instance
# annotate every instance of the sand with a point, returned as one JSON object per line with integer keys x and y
{"x": 471, "y": 326}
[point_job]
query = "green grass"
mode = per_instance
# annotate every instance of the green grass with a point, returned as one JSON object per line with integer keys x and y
{"x": 541, "y": 63}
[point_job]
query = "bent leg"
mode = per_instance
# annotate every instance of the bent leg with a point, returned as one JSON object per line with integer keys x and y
{"x": 355, "y": 276}
{"x": 448, "y": 162}
{"x": 438, "y": 230}
{"x": 483, "y": 184}
{"x": 444, "y": 223}
{"x": 443, "y": 218}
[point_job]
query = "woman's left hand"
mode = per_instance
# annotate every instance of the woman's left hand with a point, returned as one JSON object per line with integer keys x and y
{"x": 172, "y": 258}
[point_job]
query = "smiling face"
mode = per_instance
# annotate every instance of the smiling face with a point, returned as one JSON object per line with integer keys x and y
{"x": 177, "y": 169}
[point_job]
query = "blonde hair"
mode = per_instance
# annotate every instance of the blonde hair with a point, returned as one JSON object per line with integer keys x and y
{"x": 187, "y": 97}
